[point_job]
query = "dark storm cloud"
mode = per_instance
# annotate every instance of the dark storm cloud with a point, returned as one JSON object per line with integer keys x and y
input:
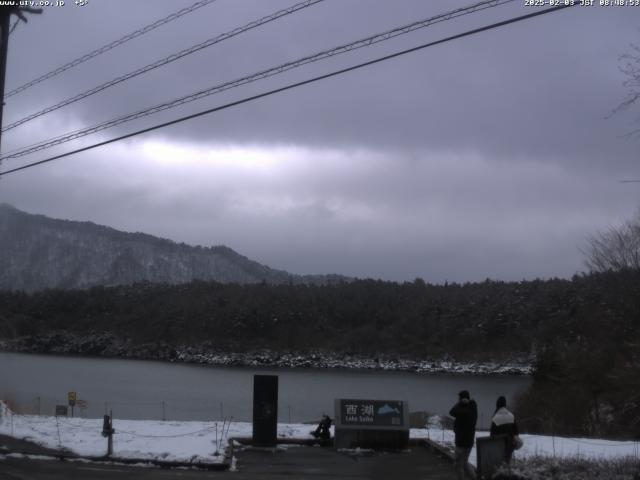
{"x": 486, "y": 156}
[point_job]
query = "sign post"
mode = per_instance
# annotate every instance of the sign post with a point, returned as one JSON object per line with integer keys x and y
{"x": 61, "y": 410}
{"x": 71, "y": 396}
{"x": 82, "y": 405}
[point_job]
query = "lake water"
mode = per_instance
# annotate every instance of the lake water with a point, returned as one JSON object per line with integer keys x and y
{"x": 139, "y": 389}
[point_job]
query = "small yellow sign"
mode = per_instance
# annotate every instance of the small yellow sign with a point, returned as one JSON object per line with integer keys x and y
{"x": 72, "y": 397}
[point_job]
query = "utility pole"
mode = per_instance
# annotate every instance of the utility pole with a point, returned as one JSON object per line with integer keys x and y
{"x": 5, "y": 24}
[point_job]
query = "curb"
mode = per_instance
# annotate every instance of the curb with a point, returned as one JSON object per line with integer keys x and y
{"x": 439, "y": 449}
{"x": 445, "y": 452}
{"x": 225, "y": 465}
{"x": 309, "y": 442}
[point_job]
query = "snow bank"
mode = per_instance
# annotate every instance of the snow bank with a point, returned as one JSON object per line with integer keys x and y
{"x": 205, "y": 442}
{"x": 544, "y": 446}
{"x": 196, "y": 442}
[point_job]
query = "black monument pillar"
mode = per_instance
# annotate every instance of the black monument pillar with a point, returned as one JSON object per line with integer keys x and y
{"x": 265, "y": 410}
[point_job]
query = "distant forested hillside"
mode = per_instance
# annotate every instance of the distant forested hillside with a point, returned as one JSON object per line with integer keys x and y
{"x": 465, "y": 321}
{"x": 37, "y": 252}
{"x": 366, "y": 317}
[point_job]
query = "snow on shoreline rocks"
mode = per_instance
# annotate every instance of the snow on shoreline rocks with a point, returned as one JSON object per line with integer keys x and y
{"x": 324, "y": 360}
{"x": 108, "y": 345}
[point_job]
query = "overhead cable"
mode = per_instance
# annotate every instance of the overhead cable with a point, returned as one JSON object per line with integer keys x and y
{"x": 109, "y": 46}
{"x": 322, "y": 55}
{"x": 15, "y": 24}
{"x": 293, "y": 85}
{"x": 164, "y": 61}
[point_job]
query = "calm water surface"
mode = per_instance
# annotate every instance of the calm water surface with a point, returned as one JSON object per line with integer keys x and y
{"x": 140, "y": 389}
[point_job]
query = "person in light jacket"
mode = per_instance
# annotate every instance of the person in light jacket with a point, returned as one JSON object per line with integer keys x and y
{"x": 465, "y": 413}
{"x": 504, "y": 423}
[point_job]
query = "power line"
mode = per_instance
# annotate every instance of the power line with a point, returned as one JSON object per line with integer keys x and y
{"x": 7, "y": 153}
{"x": 294, "y": 85}
{"x": 365, "y": 42}
{"x": 109, "y": 46}
{"x": 15, "y": 24}
{"x": 164, "y": 61}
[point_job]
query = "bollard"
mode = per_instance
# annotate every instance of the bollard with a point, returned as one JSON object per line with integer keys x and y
{"x": 108, "y": 431}
{"x": 265, "y": 410}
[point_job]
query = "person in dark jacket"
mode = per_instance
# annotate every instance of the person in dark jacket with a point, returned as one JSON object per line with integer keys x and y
{"x": 324, "y": 428}
{"x": 465, "y": 413}
{"x": 504, "y": 423}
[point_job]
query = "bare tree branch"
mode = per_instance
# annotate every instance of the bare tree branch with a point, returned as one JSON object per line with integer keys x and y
{"x": 616, "y": 249}
{"x": 630, "y": 67}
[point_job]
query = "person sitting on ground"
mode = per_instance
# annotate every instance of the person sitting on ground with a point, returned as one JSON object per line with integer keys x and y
{"x": 324, "y": 428}
{"x": 504, "y": 423}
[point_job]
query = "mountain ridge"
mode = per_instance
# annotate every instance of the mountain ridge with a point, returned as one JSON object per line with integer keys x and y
{"x": 38, "y": 252}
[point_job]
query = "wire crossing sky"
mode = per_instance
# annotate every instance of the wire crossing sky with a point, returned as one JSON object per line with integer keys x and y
{"x": 165, "y": 61}
{"x": 295, "y": 85}
{"x": 322, "y": 55}
{"x": 109, "y": 46}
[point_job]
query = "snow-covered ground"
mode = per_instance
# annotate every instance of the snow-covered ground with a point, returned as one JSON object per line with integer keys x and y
{"x": 205, "y": 442}
{"x": 196, "y": 442}
{"x": 543, "y": 445}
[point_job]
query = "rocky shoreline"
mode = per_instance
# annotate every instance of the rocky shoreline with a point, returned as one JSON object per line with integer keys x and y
{"x": 110, "y": 346}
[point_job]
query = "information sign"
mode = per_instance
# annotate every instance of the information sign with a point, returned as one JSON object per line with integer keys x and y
{"x": 373, "y": 413}
{"x": 61, "y": 410}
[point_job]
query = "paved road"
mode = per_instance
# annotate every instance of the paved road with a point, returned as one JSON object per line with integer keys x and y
{"x": 298, "y": 463}
{"x": 295, "y": 462}
{"x": 320, "y": 463}
{"x": 25, "y": 469}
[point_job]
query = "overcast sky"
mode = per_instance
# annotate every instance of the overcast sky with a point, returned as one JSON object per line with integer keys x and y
{"x": 488, "y": 156}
